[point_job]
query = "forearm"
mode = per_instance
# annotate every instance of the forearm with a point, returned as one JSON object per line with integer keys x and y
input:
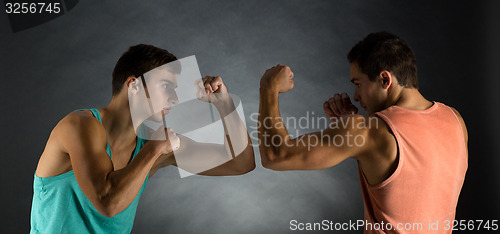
{"x": 237, "y": 140}
{"x": 123, "y": 185}
{"x": 236, "y": 135}
{"x": 273, "y": 135}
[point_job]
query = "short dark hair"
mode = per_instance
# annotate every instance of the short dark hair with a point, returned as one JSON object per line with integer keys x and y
{"x": 384, "y": 51}
{"x": 138, "y": 60}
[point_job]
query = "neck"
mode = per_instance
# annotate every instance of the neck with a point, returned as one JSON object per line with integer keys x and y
{"x": 117, "y": 121}
{"x": 409, "y": 98}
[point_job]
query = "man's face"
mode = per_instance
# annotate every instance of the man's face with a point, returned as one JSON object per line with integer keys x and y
{"x": 370, "y": 94}
{"x": 161, "y": 85}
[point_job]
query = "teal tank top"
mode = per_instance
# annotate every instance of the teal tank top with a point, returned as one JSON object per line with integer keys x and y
{"x": 60, "y": 206}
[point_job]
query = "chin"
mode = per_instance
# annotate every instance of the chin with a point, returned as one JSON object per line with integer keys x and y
{"x": 156, "y": 117}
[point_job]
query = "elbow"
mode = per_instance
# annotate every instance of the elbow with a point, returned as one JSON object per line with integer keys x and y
{"x": 107, "y": 208}
{"x": 106, "y": 204}
{"x": 271, "y": 165}
{"x": 107, "y": 212}
{"x": 250, "y": 167}
{"x": 267, "y": 164}
{"x": 278, "y": 159}
{"x": 269, "y": 160}
{"x": 247, "y": 163}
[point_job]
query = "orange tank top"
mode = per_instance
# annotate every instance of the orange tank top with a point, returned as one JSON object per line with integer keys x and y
{"x": 422, "y": 193}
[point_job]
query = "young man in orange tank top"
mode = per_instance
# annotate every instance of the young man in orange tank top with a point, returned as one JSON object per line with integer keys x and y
{"x": 384, "y": 72}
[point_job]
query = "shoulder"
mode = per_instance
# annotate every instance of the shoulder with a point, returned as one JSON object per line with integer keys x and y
{"x": 379, "y": 140}
{"x": 79, "y": 126}
{"x": 79, "y": 121}
{"x": 370, "y": 130}
{"x": 379, "y": 132}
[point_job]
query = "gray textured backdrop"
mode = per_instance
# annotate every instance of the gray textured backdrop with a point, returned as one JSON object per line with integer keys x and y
{"x": 66, "y": 64}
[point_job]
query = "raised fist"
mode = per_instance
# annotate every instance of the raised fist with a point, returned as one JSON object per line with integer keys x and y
{"x": 339, "y": 105}
{"x": 278, "y": 78}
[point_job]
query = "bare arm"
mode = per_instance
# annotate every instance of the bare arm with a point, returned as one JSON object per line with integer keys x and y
{"x": 310, "y": 151}
{"x": 237, "y": 146}
{"x": 235, "y": 157}
{"x": 110, "y": 191}
{"x": 197, "y": 157}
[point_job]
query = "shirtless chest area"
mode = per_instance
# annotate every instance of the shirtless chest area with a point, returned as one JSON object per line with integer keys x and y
{"x": 122, "y": 156}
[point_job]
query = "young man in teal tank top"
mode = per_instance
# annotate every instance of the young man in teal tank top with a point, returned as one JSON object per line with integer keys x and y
{"x": 94, "y": 167}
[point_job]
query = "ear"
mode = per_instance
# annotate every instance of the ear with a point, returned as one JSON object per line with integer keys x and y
{"x": 132, "y": 84}
{"x": 386, "y": 79}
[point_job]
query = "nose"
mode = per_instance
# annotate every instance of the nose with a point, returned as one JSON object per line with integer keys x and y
{"x": 173, "y": 99}
{"x": 356, "y": 96}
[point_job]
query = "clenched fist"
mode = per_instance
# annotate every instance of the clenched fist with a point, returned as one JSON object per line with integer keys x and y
{"x": 277, "y": 78}
{"x": 211, "y": 89}
{"x": 165, "y": 140}
{"x": 339, "y": 105}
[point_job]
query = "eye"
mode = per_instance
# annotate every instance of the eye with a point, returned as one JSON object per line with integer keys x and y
{"x": 165, "y": 86}
{"x": 357, "y": 85}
